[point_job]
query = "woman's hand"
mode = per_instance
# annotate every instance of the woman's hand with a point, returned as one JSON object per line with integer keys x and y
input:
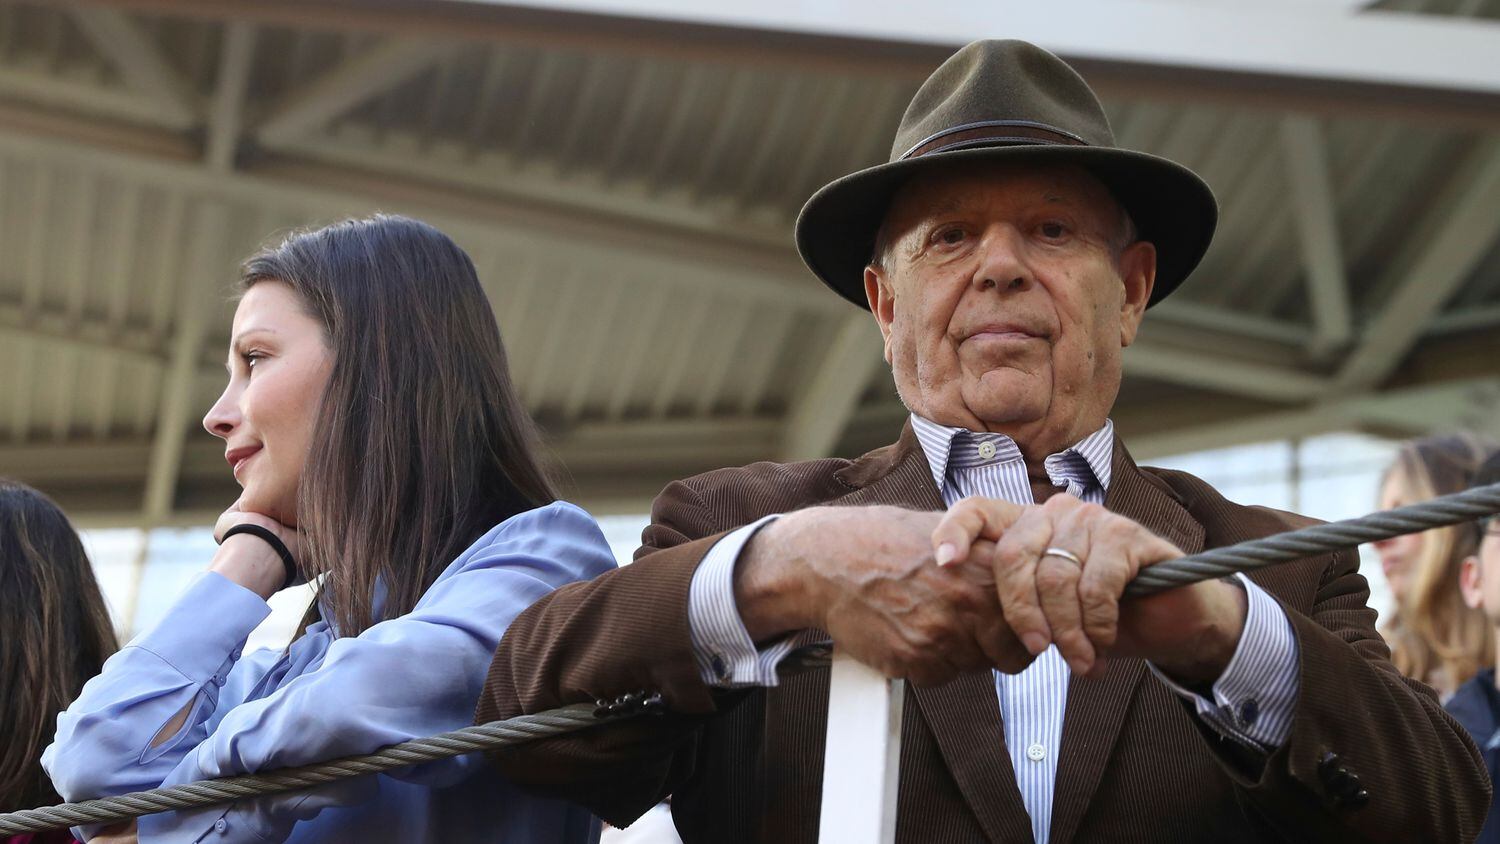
{"x": 249, "y": 560}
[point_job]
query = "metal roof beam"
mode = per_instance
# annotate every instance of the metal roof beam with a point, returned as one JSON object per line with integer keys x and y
{"x": 665, "y": 255}
{"x": 58, "y": 92}
{"x": 828, "y": 399}
{"x": 226, "y": 113}
{"x": 346, "y": 86}
{"x": 1196, "y": 368}
{"x": 140, "y": 62}
{"x": 1441, "y": 251}
{"x": 1470, "y": 404}
{"x": 1422, "y": 68}
{"x": 1193, "y": 314}
{"x": 175, "y": 415}
{"x": 1313, "y": 207}
{"x": 1386, "y": 49}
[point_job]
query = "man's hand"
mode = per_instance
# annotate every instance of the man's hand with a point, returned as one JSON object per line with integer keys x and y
{"x": 1190, "y": 633}
{"x": 866, "y": 575}
{"x": 249, "y": 560}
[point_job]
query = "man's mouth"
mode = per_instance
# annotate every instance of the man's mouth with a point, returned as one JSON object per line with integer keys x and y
{"x": 1003, "y": 332}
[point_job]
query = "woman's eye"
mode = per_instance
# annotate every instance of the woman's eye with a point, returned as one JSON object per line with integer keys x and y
{"x": 251, "y": 358}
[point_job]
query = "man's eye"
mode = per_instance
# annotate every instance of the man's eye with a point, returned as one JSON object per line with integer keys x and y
{"x": 1053, "y": 230}
{"x": 951, "y": 237}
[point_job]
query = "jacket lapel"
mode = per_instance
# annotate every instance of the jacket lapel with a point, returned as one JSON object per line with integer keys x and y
{"x": 964, "y": 715}
{"x": 1096, "y": 709}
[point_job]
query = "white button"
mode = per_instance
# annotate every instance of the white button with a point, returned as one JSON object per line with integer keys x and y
{"x": 1036, "y": 753}
{"x": 986, "y": 450}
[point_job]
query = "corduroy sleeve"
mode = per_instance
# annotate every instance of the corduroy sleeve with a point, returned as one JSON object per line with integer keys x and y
{"x": 1371, "y": 755}
{"x": 625, "y": 631}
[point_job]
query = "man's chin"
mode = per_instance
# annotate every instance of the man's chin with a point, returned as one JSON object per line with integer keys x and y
{"x": 1002, "y": 404}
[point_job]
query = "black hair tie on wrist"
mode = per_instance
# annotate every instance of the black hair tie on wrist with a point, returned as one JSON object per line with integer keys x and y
{"x": 276, "y": 544}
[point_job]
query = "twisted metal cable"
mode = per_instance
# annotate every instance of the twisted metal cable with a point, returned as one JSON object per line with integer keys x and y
{"x": 489, "y": 736}
{"x": 1246, "y": 556}
{"x": 1463, "y": 506}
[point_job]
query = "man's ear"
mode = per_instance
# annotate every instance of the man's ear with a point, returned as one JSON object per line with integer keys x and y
{"x": 1138, "y": 275}
{"x": 1469, "y": 582}
{"x": 882, "y": 298}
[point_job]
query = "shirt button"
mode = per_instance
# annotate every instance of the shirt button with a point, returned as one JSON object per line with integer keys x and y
{"x": 218, "y": 679}
{"x": 986, "y": 450}
{"x": 1249, "y": 711}
{"x": 220, "y": 825}
{"x": 235, "y": 654}
{"x": 720, "y": 669}
{"x": 1036, "y": 753}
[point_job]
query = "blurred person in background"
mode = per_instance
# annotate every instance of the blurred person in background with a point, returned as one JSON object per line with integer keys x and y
{"x": 371, "y": 422}
{"x": 55, "y": 633}
{"x": 1434, "y": 637}
{"x": 1476, "y": 704}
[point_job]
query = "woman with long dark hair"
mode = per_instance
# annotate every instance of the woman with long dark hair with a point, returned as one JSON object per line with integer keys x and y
{"x": 371, "y": 422}
{"x": 55, "y": 633}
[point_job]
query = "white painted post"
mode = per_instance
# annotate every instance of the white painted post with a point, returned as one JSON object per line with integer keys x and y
{"x": 862, "y": 761}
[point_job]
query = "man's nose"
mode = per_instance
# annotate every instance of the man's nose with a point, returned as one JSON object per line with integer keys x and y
{"x": 1002, "y": 265}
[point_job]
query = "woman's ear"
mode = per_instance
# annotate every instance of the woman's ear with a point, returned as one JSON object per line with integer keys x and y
{"x": 1470, "y": 584}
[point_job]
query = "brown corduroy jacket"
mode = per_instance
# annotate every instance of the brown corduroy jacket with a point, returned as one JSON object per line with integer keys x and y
{"x": 1135, "y": 764}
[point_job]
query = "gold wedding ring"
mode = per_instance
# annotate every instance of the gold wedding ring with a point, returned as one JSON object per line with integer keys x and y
{"x": 1065, "y": 554}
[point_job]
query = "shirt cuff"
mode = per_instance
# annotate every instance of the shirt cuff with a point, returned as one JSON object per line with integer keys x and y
{"x": 203, "y": 633}
{"x": 1253, "y": 700}
{"x": 725, "y": 653}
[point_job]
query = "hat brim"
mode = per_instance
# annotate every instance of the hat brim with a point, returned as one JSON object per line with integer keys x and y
{"x": 1170, "y": 205}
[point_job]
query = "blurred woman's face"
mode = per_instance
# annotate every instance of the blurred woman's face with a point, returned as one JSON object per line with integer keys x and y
{"x": 1398, "y": 556}
{"x": 278, "y": 365}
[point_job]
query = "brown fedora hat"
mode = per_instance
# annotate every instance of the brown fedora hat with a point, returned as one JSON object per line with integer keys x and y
{"x": 1007, "y": 101}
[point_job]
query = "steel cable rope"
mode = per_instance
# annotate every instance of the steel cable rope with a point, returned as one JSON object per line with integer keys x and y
{"x": 1246, "y": 556}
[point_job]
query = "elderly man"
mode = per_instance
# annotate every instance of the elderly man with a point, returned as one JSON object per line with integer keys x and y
{"x": 1008, "y": 252}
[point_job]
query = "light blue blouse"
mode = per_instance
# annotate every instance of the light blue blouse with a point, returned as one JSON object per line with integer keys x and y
{"x": 405, "y": 678}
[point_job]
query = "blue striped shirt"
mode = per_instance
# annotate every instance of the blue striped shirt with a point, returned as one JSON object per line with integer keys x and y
{"x": 1252, "y": 701}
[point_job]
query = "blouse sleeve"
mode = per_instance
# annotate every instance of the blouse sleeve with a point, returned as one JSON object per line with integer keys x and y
{"x": 405, "y": 678}
{"x": 102, "y": 746}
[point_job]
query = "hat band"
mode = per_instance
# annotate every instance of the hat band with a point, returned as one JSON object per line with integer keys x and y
{"x": 993, "y": 133}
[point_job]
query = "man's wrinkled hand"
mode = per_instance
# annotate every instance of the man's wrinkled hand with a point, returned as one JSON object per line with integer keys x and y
{"x": 866, "y": 575}
{"x": 1060, "y": 571}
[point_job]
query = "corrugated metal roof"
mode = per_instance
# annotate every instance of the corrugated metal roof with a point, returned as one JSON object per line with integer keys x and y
{"x": 630, "y": 213}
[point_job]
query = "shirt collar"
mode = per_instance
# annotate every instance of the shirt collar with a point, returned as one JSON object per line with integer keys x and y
{"x": 955, "y": 448}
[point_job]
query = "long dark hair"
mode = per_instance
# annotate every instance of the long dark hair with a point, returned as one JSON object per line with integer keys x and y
{"x": 1436, "y": 637}
{"x": 55, "y": 634}
{"x": 421, "y": 442}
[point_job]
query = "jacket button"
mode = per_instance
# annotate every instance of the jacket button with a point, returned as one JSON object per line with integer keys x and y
{"x": 1327, "y": 763}
{"x": 220, "y": 825}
